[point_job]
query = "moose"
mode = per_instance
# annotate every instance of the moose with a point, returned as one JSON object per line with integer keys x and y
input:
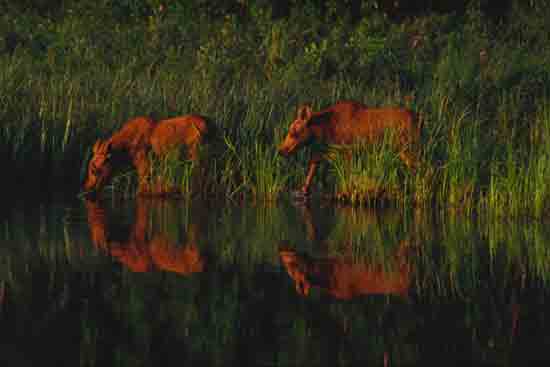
{"x": 348, "y": 122}
{"x": 343, "y": 278}
{"x": 141, "y": 249}
{"x": 133, "y": 142}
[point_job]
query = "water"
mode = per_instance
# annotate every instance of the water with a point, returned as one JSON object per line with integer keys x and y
{"x": 143, "y": 283}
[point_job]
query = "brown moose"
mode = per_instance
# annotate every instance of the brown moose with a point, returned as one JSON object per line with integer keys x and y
{"x": 141, "y": 250}
{"x": 343, "y": 278}
{"x": 348, "y": 122}
{"x": 133, "y": 142}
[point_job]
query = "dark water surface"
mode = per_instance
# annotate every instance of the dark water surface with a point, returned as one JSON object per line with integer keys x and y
{"x": 162, "y": 283}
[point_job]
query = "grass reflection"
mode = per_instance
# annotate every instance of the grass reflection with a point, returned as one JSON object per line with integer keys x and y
{"x": 216, "y": 291}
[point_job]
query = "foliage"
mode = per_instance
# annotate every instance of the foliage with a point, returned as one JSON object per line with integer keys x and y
{"x": 77, "y": 71}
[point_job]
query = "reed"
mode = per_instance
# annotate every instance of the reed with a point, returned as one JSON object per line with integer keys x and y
{"x": 517, "y": 181}
{"x": 369, "y": 174}
{"x": 483, "y": 103}
{"x": 171, "y": 173}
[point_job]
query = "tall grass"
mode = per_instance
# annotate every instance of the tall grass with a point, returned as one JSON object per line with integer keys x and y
{"x": 518, "y": 181}
{"x": 369, "y": 174}
{"x": 484, "y": 137}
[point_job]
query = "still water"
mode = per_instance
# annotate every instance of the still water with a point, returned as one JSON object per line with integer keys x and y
{"x": 158, "y": 282}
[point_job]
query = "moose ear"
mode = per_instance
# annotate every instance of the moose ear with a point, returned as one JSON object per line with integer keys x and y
{"x": 305, "y": 113}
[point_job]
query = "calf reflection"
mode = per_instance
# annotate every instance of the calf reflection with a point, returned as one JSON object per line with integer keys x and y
{"x": 140, "y": 250}
{"x": 343, "y": 278}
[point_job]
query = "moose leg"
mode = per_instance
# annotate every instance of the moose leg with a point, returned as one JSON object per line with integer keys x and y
{"x": 143, "y": 167}
{"x": 312, "y": 167}
{"x": 193, "y": 152}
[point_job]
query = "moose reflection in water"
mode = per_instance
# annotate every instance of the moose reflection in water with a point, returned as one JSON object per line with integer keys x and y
{"x": 139, "y": 249}
{"x": 343, "y": 276}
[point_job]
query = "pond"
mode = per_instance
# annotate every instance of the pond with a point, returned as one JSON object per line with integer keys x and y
{"x": 162, "y": 282}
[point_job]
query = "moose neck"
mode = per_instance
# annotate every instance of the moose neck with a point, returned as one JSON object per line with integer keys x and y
{"x": 133, "y": 141}
{"x": 322, "y": 127}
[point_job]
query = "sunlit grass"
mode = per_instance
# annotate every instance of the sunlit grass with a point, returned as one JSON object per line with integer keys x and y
{"x": 484, "y": 122}
{"x": 171, "y": 174}
{"x": 367, "y": 173}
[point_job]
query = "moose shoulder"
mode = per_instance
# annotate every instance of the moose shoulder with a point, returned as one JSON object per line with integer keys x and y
{"x": 348, "y": 122}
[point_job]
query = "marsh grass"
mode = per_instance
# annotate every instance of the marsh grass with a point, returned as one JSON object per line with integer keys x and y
{"x": 461, "y": 176}
{"x": 171, "y": 174}
{"x": 518, "y": 181}
{"x": 368, "y": 173}
{"x": 260, "y": 172}
{"x": 269, "y": 179}
{"x": 519, "y": 189}
{"x": 485, "y": 119}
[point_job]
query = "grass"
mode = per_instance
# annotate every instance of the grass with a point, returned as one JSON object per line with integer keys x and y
{"x": 171, "y": 173}
{"x": 484, "y": 119}
{"x": 370, "y": 176}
